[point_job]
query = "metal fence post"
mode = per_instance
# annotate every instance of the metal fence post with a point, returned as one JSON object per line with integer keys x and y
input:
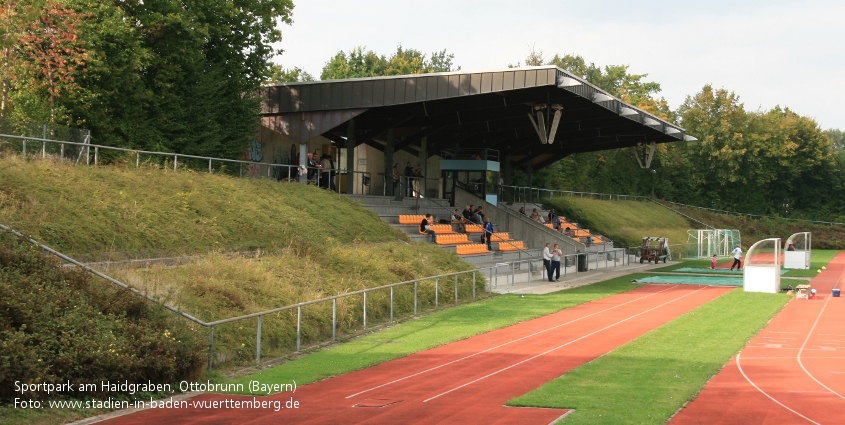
{"x": 334, "y": 319}
{"x": 96, "y": 154}
{"x": 258, "y": 344}
{"x": 210, "y": 347}
{"x": 209, "y": 165}
{"x": 365, "y": 310}
{"x": 62, "y": 154}
{"x": 436, "y": 292}
{"x": 298, "y": 328}
{"x": 391, "y": 303}
{"x": 175, "y": 161}
{"x": 137, "y": 159}
{"x": 24, "y": 149}
{"x": 416, "y": 284}
{"x": 456, "y": 289}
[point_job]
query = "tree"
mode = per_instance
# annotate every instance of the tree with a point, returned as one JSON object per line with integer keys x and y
{"x": 361, "y": 63}
{"x": 278, "y": 74}
{"x": 42, "y": 52}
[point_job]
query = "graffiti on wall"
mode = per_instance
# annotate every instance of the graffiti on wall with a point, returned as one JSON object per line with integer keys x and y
{"x": 254, "y": 151}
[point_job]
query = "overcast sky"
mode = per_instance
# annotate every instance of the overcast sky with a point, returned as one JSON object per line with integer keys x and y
{"x": 769, "y": 52}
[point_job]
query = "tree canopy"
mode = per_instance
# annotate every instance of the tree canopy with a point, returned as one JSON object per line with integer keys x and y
{"x": 359, "y": 62}
{"x": 156, "y": 74}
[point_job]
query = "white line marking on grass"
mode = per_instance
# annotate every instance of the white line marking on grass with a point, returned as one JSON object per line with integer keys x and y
{"x": 504, "y": 344}
{"x": 560, "y": 346}
{"x": 739, "y": 366}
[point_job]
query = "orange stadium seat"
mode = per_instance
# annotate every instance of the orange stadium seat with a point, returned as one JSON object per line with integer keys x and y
{"x": 512, "y": 246}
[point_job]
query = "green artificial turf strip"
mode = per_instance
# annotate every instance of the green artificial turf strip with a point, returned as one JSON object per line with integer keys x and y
{"x": 431, "y": 331}
{"x": 647, "y": 380}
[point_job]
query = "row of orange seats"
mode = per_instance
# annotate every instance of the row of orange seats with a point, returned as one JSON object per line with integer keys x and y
{"x": 469, "y": 249}
{"x": 452, "y": 239}
{"x": 512, "y": 246}
{"x": 411, "y": 219}
{"x": 500, "y": 236}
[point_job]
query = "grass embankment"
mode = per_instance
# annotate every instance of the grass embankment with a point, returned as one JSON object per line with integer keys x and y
{"x": 625, "y": 222}
{"x": 825, "y": 236}
{"x": 316, "y": 242}
{"x": 647, "y": 380}
{"x": 117, "y": 209}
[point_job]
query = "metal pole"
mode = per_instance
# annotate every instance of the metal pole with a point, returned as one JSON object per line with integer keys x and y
{"x": 62, "y": 154}
{"x": 391, "y": 303}
{"x": 258, "y": 344}
{"x": 298, "y": 328}
{"x": 137, "y": 159}
{"x": 175, "y": 161}
{"x": 43, "y": 149}
{"x": 96, "y": 154}
{"x": 211, "y": 347}
{"x": 334, "y": 319}
{"x": 415, "y": 297}
{"x": 436, "y": 292}
{"x": 24, "y": 148}
{"x": 209, "y": 165}
{"x": 365, "y": 310}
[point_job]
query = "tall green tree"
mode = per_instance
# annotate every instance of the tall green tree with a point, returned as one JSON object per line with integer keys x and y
{"x": 359, "y": 62}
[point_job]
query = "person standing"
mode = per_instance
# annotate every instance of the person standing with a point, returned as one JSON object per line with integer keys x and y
{"x": 409, "y": 176}
{"x": 713, "y": 262}
{"x": 737, "y": 252}
{"x": 425, "y": 227}
{"x": 556, "y": 254}
{"x": 488, "y": 231}
{"x": 547, "y": 261}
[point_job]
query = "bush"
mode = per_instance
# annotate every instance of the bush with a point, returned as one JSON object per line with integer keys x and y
{"x": 59, "y": 325}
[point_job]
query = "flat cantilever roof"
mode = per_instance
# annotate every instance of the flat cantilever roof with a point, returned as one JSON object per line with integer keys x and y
{"x": 469, "y": 109}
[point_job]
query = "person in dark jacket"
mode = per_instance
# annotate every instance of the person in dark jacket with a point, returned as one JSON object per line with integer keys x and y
{"x": 425, "y": 227}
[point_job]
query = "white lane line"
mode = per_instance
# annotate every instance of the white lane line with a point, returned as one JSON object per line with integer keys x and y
{"x": 561, "y": 346}
{"x": 807, "y": 339}
{"x": 739, "y": 366}
{"x": 506, "y": 343}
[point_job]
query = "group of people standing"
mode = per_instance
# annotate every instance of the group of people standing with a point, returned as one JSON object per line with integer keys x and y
{"x": 551, "y": 261}
{"x": 412, "y": 176}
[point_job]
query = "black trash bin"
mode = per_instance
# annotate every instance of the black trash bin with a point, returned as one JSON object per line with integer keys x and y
{"x": 582, "y": 263}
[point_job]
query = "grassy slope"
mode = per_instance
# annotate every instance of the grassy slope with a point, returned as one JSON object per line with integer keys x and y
{"x": 625, "y": 222}
{"x": 824, "y": 236}
{"x": 99, "y": 209}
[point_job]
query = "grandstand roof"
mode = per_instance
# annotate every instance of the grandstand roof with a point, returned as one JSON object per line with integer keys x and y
{"x": 506, "y": 110}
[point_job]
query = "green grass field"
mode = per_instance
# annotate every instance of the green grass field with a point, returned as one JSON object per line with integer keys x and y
{"x": 647, "y": 380}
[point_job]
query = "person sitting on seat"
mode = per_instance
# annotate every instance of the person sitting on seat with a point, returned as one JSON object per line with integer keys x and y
{"x": 425, "y": 227}
{"x": 536, "y": 216}
{"x": 522, "y": 211}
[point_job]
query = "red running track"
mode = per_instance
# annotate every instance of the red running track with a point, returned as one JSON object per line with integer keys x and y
{"x": 467, "y": 381}
{"x": 793, "y": 372}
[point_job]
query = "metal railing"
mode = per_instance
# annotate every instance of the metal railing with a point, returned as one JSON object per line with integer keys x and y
{"x": 524, "y": 195}
{"x": 417, "y": 286}
{"x": 578, "y": 262}
{"x": 245, "y": 168}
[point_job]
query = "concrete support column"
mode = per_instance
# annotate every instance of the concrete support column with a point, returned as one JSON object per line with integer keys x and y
{"x": 388, "y": 162}
{"x": 350, "y": 157}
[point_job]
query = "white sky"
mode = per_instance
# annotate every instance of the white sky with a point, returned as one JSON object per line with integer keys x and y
{"x": 769, "y": 52}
